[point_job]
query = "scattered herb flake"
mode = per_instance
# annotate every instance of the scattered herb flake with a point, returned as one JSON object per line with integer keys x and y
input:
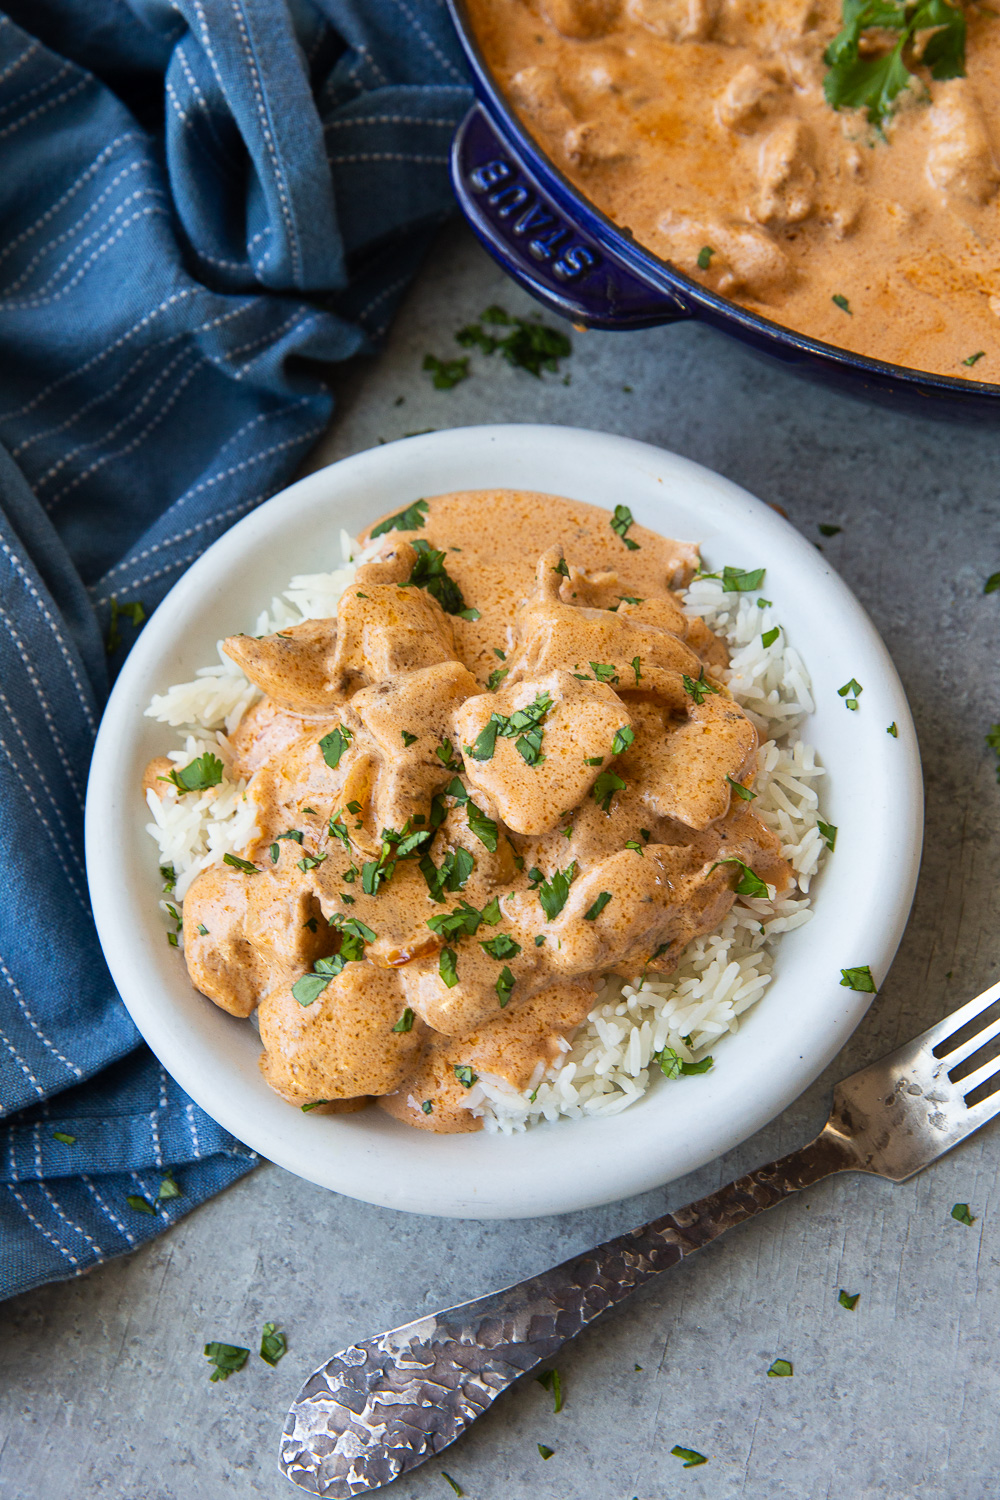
{"x": 132, "y": 611}
{"x": 698, "y": 688}
{"x": 781, "y": 1367}
{"x": 447, "y": 967}
{"x": 604, "y": 671}
{"x": 992, "y": 584}
{"x": 825, "y": 529}
{"x": 634, "y": 664}
{"x": 704, "y": 257}
{"x": 550, "y": 1381}
{"x": 604, "y": 789}
{"x": 333, "y": 745}
{"x": 272, "y": 1344}
{"x": 862, "y": 77}
{"x": 672, "y": 1065}
{"x": 545, "y": 1450}
{"x": 465, "y": 1075}
{"x": 743, "y": 792}
{"x": 168, "y": 1188}
{"x": 495, "y": 678}
{"x": 842, "y": 302}
{"x": 770, "y": 636}
{"x": 993, "y": 740}
{"x": 553, "y": 893}
{"x": 858, "y": 979}
{"x": 620, "y": 523}
{"x": 623, "y": 738}
{"x": 235, "y": 863}
{"x": 829, "y": 833}
{"x": 64, "y": 1137}
{"x": 445, "y": 753}
{"x": 593, "y": 912}
{"x": 203, "y": 772}
{"x": 410, "y": 519}
{"x": 961, "y": 1213}
{"x": 561, "y": 568}
{"x": 505, "y": 985}
{"x": 691, "y": 1457}
{"x": 430, "y": 573}
{"x": 408, "y": 739}
{"x": 975, "y": 358}
{"x": 529, "y": 345}
{"x": 427, "y": 1106}
{"x": 139, "y": 1203}
{"x": 454, "y": 1483}
{"x": 226, "y": 1358}
{"x": 446, "y": 373}
{"x": 749, "y": 883}
{"x": 501, "y": 947}
{"x": 893, "y": 730}
{"x": 848, "y": 1300}
{"x": 483, "y": 827}
{"x": 405, "y": 1022}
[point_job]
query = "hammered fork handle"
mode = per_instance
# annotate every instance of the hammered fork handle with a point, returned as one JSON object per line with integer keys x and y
{"x": 384, "y": 1406}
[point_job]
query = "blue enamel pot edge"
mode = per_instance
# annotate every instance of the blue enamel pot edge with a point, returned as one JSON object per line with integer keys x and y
{"x": 574, "y": 260}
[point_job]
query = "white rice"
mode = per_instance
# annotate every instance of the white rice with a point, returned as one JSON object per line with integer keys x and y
{"x": 609, "y": 1064}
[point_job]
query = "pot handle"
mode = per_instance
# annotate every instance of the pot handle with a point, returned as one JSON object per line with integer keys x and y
{"x": 537, "y": 244}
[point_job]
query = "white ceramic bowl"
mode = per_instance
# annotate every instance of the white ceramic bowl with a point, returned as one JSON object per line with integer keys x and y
{"x": 873, "y": 794}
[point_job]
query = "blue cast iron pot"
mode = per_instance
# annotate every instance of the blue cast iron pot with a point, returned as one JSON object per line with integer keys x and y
{"x": 574, "y": 260}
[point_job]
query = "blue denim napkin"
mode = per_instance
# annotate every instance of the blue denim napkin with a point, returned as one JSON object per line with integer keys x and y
{"x": 202, "y": 204}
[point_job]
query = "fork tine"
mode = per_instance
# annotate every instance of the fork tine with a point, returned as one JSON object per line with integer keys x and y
{"x": 979, "y": 1114}
{"x": 983, "y": 1074}
{"x": 936, "y": 1036}
{"x": 952, "y": 1060}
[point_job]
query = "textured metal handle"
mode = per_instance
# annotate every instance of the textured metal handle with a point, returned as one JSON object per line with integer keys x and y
{"x": 539, "y": 244}
{"x": 384, "y": 1406}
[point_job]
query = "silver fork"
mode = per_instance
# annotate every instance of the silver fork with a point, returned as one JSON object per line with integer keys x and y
{"x": 382, "y": 1407}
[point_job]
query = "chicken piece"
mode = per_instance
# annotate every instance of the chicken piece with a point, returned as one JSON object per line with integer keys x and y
{"x": 595, "y": 143}
{"x": 264, "y": 731}
{"x": 532, "y": 784}
{"x": 961, "y": 161}
{"x": 293, "y": 667}
{"x": 301, "y": 789}
{"x": 408, "y": 720}
{"x": 581, "y": 19}
{"x": 507, "y": 1048}
{"x": 384, "y": 630}
{"x": 155, "y": 774}
{"x": 684, "y": 769}
{"x": 747, "y": 97}
{"x": 665, "y": 613}
{"x": 552, "y": 635}
{"x": 221, "y": 960}
{"x": 284, "y": 922}
{"x": 343, "y": 1044}
{"x": 786, "y": 176}
{"x": 744, "y": 257}
{"x": 677, "y": 20}
{"x": 454, "y": 1009}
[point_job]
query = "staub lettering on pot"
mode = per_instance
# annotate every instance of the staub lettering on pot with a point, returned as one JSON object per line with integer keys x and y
{"x": 551, "y": 238}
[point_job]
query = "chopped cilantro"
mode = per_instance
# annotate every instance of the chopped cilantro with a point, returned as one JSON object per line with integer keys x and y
{"x": 620, "y": 523}
{"x": 530, "y": 345}
{"x": 842, "y": 303}
{"x": 593, "y": 760}
{"x": 334, "y": 744}
{"x": 408, "y": 739}
{"x": 272, "y": 1344}
{"x": 829, "y": 833}
{"x": 405, "y": 1022}
{"x": 863, "y": 77}
{"x": 858, "y": 979}
{"x": 848, "y": 1300}
{"x": 467, "y": 614}
{"x": 961, "y": 1213}
{"x": 553, "y": 893}
{"x": 502, "y": 946}
{"x": 446, "y": 373}
{"x": 169, "y": 877}
{"x": 133, "y": 611}
{"x": 235, "y": 863}
{"x": 770, "y": 636}
{"x": 672, "y": 1065}
{"x": 226, "y": 1358}
{"x": 338, "y": 830}
{"x": 698, "y": 688}
{"x": 168, "y": 1188}
{"x": 690, "y": 1456}
{"x": 447, "y": 967}
{"x": 445, "y": 753}
{"x": 410, "y": 519}
{"x": 452, "y": 924}
{"x": 524, "y": 726}
{"x": 504, "y": 986}
{"x": 454, "y": 1484}
{"x": 604, "y": 671}
{"x": 495, "y": 678}
{"x": 309, "y": 862}
{"x": 483, "y": 827}
{"x": 140, "y": 1204}
{"x": 854, "y": 688}
{"x": 314, "y": 1105}
{"x": 992, "y": 584}
{"x": 550, "y": 1381}
{"x": 465, "y": 1075}
{"x": 635, "y": 846}
{"x": 975, "y": 358}
{"x": 64, "y": 1137}
{"x": 704, "y": 257}
{"x": 634, "y": 664}
{"x": 825, "y": 529}
{"x": 539, "y": 940}
{"x": 781, "y": 1367}
{"x": 605, "y": 787}
{"x": 593, "y": 912}
{"x": 743, "y": 792}
{"x": 451, "y": 875}
{"x": 545, "y": 1450}
{"x": 561, "y": 568}
{"x": 749, "y": 883}
{"x": 203, "y": 772}
{"x": 430, "y": 573}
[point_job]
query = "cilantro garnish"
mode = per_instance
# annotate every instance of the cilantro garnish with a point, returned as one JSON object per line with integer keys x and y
{"x": 465, "y": 1075}
{"x": 353, "y": 936}
{"x": 226, "y": 1358}
{"x": 992, "y": 584}
{"x": 825, "y": 529}
{"x": 235, "y": 863}
{"x": 334, "y": 744}
{"x": 468, "y": 614}
{"x": 530, "y": 345}
{"x": 405, "y": 1022}
{"x": 636, "y": 847}
{"x": 454, "y": 1483}
{"x": 545, "y": 1450}
{"x": 593, "y": 760}
{"x": 550, "y": 1381}
{"x": 781, "y": 1367}
{"x": 842, "y": 302}
{"x": 743, "y": 792}
{"x": 64, "y": 1137}
{"x": 854, "y": 688}
{"x": 749, "y": 884}
{"x": 553, "y": 893}
{"x": 604, "y": 671}
{"x": 524, "y": 726}
{"x": 974, "y": 358}
{"x": 620, "y": 523}
{"x": 430, "y": 573}
{"x": 737, "y": 580}
{"x": 452, "y": 924}
{"x": 309, "y": 862}
{"x": 961, "y": 1213}
{"x": 849, "y": 1299}
{"x": 829, "y": 833}
{"x": 698, "y": 688}
{"x": 770, "y": 636}
{"x": 704, "y": 257}
{"x": 505, "y": 986}
{"x": 483, "y": 827}
{"x": 445, "y": 753}
{"x": 495, "y": 678}
{"x": 873, "y": 79}
{"x": 408, "y": 739}
{"x": 427, "y": 1106}
{"x": 447, "y": 373}
{"x": 410, "y": 519}
{"x": 272, "y": 1344}
{"x": 858, "y": 979}
{"x": 447, "y": 967}
{"x": 451, "y": 875}
{"x": 623, "y": 738}
{"x": 168, "y": 1188}
{"x": 672, "y": 1065}
{"x": 338, "y": 830}
{"x": 605, "y": 787}
{"x": 561, "y": 568}
{"x": 169, "y": 877}
{"x": 203, "y": 772}
{"x": 992, "y": 738}
{"x": 690, "y": 1456}
{"x": 634, "y": 664}
{"x": 502, "y": 946}
{"x": 133, "y": 611}
{"x": 140, "y": 1204}
{"x": 893, "y": 730}
{"x": 593, "y": 912}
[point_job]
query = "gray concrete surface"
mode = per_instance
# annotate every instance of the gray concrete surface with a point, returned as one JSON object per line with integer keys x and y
{"x": 103, "y": 1388}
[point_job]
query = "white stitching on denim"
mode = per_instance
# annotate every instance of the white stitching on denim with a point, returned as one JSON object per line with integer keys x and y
{"x": 345, "y": 124}
{"x": 50, "y": 245}
{"x": 106, "y": 437}
{"x": 154, "y": 1131}
{"x": 44, "y": 705}
{"x": 13, "y": 67}
{"x": 45, "y": 824}
{"x": 43, "y": 109}
{"x": 41, "y": 1229}
{"x": 270, "y": 336}
{"x": 15, "y": 1174}
{"x": 363, "y": 156}
{"x": 192, "y": 81}
{"x": 108, "y": 1213}
{"x": 199, "y": 8}
{"x": 26, "y": 747}
{"x": 386, "y": 291}
{"x": 36, "y": 1137}
{"x": 38, "y": 89}
{"x": 23, "y": 1005}
{"x": 23, "y": 1065}
{"x": 195, "y": 1142}
{"x": 142, "y": 192}
{"x": 67, "y": 1221}
{"x": 29, "y": 302}
{"x": 178, "y": 107}
{"x": 71, "y": 192}
{"x": 64, "y": 650}
{"x": 427, "y": 39}
{"x": 279, "y": 175}
{"x": 136, "y": 442}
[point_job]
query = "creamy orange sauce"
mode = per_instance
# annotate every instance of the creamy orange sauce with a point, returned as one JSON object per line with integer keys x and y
{"x": 593, "y": 847}
{"x": 702, "y": 125}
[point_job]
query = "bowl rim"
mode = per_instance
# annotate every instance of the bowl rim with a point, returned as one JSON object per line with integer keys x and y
{"x": 662, "y": 274}
{"x": 572, "y": 1164}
